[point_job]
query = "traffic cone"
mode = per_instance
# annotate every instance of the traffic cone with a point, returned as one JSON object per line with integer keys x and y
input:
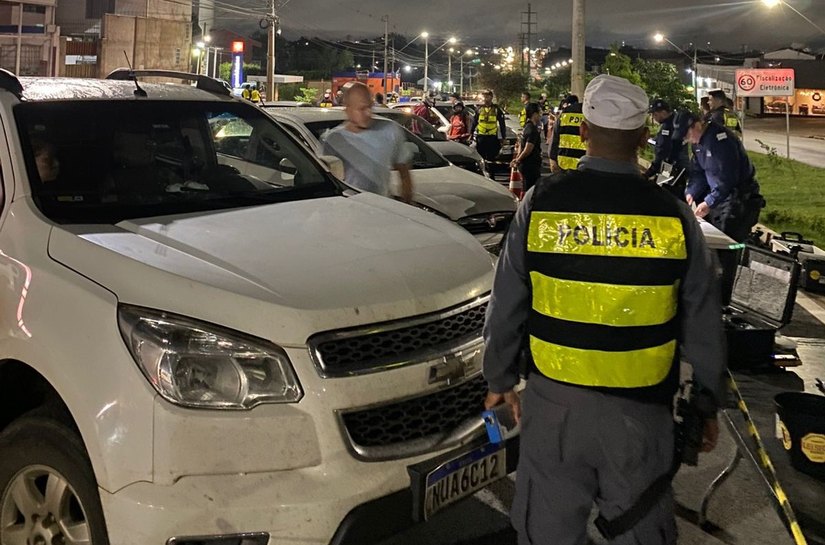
{"x": 516, "y": 183}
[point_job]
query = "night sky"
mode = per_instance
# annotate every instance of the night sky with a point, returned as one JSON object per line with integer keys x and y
{"x": 726, "y": 25}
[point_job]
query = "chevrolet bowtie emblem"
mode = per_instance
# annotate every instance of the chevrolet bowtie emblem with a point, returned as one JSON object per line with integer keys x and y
{"x": 453, "y": 368}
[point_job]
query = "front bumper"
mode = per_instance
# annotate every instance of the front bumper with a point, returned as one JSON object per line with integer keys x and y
{"x": 352, "y": 509}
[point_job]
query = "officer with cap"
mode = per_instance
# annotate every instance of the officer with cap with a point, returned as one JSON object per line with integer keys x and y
{"x": 720, "y": 112}
{"x": 602, "y": 275}
{"x": 722, "y": 187}
{"x": 668, "y": 149}
{"x": 567, "y": 146}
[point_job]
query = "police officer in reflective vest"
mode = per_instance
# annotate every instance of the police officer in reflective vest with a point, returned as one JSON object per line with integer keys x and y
{"x": 567, "y": 146}
{"x": 668, "y": 149}
{"x": 489, "y": 128}
{"x": 721, "y": 112}
{"x": 607, "y": 278}
{"x": 722, "y": 187}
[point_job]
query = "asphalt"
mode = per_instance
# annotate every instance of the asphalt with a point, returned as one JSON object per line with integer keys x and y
{"x": 807, "y": 138}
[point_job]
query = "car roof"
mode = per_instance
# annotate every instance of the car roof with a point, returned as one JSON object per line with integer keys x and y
{"x": 309, "y": 115}
{"x": 53, "y": 89}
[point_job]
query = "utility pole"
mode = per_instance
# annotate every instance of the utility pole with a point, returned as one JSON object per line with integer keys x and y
{"x": 426, "y": 64}
{"x": 577, "y": 72}
{"x": 527, "y": 35}
{"x": 270, "y": 54}
{"x": 386, "y": 19}
{"x": 461, "y": 85}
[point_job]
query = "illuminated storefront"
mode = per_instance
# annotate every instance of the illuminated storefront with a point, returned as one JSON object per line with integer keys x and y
{"x": 809, "y": 99}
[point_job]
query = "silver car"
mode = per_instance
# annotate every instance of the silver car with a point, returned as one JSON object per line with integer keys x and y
{"x": 478, "y": 204}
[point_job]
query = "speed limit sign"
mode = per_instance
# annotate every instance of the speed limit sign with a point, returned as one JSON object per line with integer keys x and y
{"x": 765, "y": 82}
{"x": 746, "y": 82}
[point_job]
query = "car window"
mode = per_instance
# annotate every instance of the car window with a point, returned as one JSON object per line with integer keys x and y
{"x": 102, "y": 161}
{"x": 415, "y": 124}
{"x": 425, "y": 157}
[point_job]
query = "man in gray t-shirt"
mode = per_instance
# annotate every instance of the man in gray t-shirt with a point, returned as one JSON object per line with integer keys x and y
{"x": 370, "y": 148}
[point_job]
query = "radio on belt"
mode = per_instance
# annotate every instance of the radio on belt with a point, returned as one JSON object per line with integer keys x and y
{"x": 501, "y": 423}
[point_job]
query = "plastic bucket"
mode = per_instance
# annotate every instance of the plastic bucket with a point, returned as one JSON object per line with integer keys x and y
{"x": 801, "y": 421}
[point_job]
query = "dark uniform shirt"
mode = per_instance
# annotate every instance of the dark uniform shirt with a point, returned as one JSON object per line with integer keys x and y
{"x": 668, "y": 149}
{"x": 509, "y": 307}
{"x": 720, "y": 165}
{"x": 530, "y": 135}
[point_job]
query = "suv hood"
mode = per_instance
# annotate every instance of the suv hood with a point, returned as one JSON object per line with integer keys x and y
{"x": 284, "y": 271}
{"x": 447, "y": 147}
{"x": 457, "y": 193}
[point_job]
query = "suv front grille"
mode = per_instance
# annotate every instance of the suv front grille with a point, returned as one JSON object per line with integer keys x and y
{"x": 497, "y": 222}
{"x": 433, "y": 416}
{"x": 391, "y": 344}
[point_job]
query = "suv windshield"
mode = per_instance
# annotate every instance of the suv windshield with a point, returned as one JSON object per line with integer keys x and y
{"x": 424, "y": 157}
{"x": 106, "y": 161}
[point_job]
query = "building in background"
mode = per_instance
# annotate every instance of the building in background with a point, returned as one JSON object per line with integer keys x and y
{"x": 29, "y": 38}
{"x": 102, "y": 35}
{"x": 809, "y": 81}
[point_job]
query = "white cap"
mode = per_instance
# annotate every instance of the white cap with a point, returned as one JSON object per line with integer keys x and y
{"x": 615, "y": 103}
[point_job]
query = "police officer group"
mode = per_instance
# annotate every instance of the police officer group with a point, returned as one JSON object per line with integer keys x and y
{"x": 604, "y": 286}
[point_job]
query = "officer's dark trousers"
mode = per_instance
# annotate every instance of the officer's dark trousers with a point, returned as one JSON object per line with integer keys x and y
{"x": 530, "y": 174}
{"x": 579, "y": 446}
{"x": 488, "y": 147}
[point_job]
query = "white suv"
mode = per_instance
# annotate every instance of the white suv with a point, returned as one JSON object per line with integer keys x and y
{"x": 207, "y": 339}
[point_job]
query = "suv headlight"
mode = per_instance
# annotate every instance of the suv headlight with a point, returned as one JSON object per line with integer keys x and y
{"x": 196, "y": 364}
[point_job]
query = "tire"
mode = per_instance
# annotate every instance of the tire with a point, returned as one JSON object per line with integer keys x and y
{"x": 44, "y": 468}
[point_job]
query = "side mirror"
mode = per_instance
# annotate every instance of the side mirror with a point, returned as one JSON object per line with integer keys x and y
{"x": 442, "y": 129}
{"x": 287, "y": 167}
{"x": 334, "y": 164}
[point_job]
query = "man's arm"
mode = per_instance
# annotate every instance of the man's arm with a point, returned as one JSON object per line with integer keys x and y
{"x": 502, "y": 127}
{"x": 723, "y": 177}
{"x": 697, "y": 186}
{"x": 703, "y": 344}
{"x": 402, "y": 161}
{"x": 406, "y": 182}
{"x": 661, "y": 151}
{"x": 509, "y": 307}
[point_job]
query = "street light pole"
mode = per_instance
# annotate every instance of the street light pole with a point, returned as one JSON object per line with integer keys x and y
{"x": 426, "y": 62}
{"x": 450, "y": 67}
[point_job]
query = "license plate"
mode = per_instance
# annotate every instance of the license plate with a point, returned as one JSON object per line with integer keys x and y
{"x": 463, "y": 476}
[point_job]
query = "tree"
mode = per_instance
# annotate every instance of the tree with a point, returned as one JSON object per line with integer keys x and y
{"x": 308, "y": 95}
{"x": 249, "y": 69}
{"x": 661, "y": 80}
{"x": 619, "y": 64}
{"x": 557, "y": 85}
{"x": 507, "y": 86}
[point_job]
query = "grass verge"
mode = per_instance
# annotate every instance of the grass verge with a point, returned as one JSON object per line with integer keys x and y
{"x": 795, "y": 193}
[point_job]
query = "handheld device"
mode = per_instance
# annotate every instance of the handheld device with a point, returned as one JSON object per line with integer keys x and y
{"x": 501, "y": 423}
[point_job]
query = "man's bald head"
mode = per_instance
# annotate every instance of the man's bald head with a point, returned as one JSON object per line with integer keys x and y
{"x": 358, "y": 105}
{"x": 355, "y": 89}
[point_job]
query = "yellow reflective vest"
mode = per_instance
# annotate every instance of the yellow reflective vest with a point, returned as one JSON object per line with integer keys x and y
{"x": 605, "y": 272}
{"x": 571, "y": 146}
{"x": 487, "y": 121}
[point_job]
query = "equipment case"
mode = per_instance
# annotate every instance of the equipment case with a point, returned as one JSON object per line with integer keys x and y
{"x": 811, "y": 259}
{"x": 763, "y": 298}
